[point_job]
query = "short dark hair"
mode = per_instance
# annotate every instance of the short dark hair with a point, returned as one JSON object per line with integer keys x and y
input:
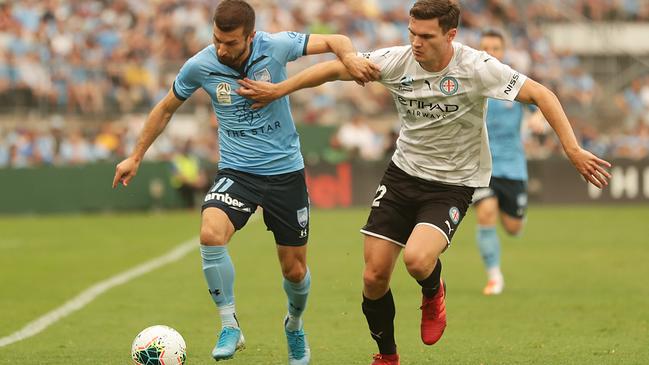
{"x": 490, "y": 32}
{"x": 232, "y": 14}
{"x": 446, "y": 11}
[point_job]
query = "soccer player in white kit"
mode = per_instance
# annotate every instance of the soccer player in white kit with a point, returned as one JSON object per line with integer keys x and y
{"x": 440, "y": 88}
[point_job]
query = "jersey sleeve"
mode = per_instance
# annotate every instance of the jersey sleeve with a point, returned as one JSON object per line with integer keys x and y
{"x": 288, "y": 46}
{"x": 388, "y": 61}
{"x": 188, "y": 80}
{"x": 499, "y": 81}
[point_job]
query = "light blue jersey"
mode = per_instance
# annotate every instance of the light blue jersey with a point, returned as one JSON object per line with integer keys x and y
{"x": 262, "y": 141}
{"x": 504, "y": 128}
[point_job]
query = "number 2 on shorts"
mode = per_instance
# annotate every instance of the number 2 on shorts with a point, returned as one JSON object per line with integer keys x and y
{"x": 380, "y": 191}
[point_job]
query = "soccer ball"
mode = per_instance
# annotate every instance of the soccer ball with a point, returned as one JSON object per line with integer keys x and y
{"x": 159, "y": 345}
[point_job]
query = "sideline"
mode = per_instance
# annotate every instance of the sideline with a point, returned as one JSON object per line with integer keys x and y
{"x": 87, "y": 296}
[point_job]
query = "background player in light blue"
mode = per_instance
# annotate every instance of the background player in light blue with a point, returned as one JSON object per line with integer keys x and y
{"x": 507, "y": 190}
{"x": 261, "y": 163}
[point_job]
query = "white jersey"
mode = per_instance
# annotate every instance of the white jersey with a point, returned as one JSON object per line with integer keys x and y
{"x": 443, "y": 133}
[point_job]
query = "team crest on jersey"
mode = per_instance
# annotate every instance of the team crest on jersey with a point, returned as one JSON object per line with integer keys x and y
{"x": 262, "y": 75}
{"x": 303, "y": 216}
{"x": 223, "y": 90}
{"x": 454, "y": 214}
{"x": 406, "y": 83}
{"x": 449, "y": 85}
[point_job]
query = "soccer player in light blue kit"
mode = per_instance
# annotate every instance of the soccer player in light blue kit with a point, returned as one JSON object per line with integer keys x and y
{"x": 507, "y": 190}
{"x": 261, "y": 163}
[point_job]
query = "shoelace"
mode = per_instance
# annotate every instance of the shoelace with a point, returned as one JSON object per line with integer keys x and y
{"x": 380, "y": 357}
{"x": 296, "y": 346}
{"x": 428, "y": 303}
{"x": 226, "y": 334}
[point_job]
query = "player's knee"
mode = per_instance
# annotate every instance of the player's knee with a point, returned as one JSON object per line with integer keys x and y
{"x": 212, "y": 236}
{"x": 294, "y": 273}
{"x": 487, "y": 217}
{"x": 514, "y": 230}
{"x": 418, "y": 266}
{"x": 375, "y": 279}
{"x": 513, "y": 227}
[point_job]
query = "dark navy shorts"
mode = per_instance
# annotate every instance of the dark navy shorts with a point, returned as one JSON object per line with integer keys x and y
{"x": 284, "y": 199}
{"x": 511, "y": 195}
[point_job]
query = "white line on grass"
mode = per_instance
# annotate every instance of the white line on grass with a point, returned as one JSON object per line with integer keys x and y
{"x": 94, "y": 291}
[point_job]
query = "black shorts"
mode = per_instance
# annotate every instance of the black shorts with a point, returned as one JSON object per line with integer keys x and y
{"x": 283, "y": 197}
{"x": 511, "y": 195}
{"x": 403, "y": 201}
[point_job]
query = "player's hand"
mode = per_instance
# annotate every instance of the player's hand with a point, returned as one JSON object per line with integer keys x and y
{"x": 591, "y": 167}
{"x": 262, "y": 92}
{"x": 361, "y": 69}
{"x": 125, "y": 171}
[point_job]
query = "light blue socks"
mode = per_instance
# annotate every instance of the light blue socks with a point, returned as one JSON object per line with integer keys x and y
{"x": 219, "y": 274}
{"x": 489, "y": 245}
{"x": 297, "y": 294}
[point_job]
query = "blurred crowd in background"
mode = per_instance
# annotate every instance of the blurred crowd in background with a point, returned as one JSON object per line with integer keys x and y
{"x": 77, "y": 78}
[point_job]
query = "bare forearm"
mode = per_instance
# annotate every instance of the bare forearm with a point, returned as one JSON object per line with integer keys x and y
{"x": 313, "y": 76}
{"x": 154, "y": 125}
{"x": 551, "y": 108}
{"x": 341, "y": 45}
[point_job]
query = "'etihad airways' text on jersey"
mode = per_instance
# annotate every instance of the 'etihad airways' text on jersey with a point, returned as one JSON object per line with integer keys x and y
{"x": 443, "y": 135}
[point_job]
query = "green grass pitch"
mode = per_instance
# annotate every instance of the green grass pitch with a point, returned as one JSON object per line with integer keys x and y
{"x": 576, "y": 291}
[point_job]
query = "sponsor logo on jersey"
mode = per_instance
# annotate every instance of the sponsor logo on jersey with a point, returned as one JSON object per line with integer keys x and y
{"x": 428, "y": 84}
{"x": 303, "y": 216}
{"x": 423, "y": 104}
{"x": 512, "y": 83}
{"x": 223, "y": 90}
{"x": 246, "y": 113}
{"x": 263, "y": 130}
{"x": 406, "y": 83}
{"x": 449, "y": 85}
{"x": 262, "y": 75}
{"x": 454, "y": 214}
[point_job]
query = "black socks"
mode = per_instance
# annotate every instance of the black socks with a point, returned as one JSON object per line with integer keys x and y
{"x": 380, "y": 318}
{"x": 430, "y": 285}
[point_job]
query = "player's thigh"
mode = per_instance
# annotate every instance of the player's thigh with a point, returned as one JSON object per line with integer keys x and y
{"x": 286, "y": 208}
{"x": 228, "y": 205}
{"x": 487, "y": 211}
{"x": 216, "y": 227}
{"x": 425, "y": 245}
{"x": 512, "y": 202}
{"x": 292, "y": 260}
{"x": 512, "y": 225}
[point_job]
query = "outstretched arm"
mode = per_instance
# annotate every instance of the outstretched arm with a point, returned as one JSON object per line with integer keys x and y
{"x": 360, "y": 69}
{"x": 154, "y": 125}
{"x": 589, "y": 166}
{"x": 264, "y": 92}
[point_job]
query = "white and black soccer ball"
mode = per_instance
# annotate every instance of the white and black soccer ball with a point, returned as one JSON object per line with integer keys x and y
{"x": 159, "y": 345}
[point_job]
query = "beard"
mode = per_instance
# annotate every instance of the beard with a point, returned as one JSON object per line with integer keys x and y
{"x": 235, "y": 61}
